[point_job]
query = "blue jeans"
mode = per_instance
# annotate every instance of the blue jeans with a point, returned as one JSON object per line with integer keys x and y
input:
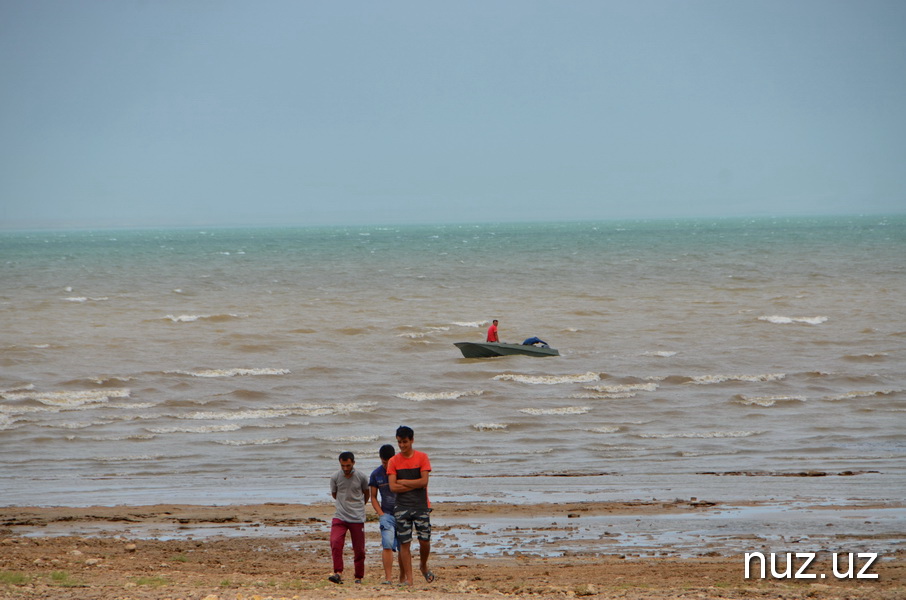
{"x": 389, "y": 540}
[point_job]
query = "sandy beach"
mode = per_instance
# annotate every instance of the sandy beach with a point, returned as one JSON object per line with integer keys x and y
{"x": 481, "y": 550}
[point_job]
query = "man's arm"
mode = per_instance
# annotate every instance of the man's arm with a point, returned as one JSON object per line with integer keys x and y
{"x": 407, "y": 485}
{"x": 374, "y": 501}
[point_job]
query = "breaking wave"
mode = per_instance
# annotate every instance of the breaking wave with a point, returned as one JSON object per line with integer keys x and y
{"x": 567, "y": 410}
{"x": 709, "y": 379}
{"x": 489, "y": 426}
{"x": 705, "y": 435}
{"x": 230, "y": 372}
{"x": 548, "y": 379}
{"x": 779, "y": 320}
{"x": 422, "y": 396}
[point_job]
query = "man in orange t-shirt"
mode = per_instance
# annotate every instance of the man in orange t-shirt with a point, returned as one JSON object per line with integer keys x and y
{"x": 408, "y": 473}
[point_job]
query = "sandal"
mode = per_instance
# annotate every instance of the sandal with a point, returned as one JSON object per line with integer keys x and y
{"x": 429, "y": 576}
{"x": 335, "y": 578}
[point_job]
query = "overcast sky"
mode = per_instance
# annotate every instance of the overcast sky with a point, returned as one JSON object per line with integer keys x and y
{"x": 182, "y": 112}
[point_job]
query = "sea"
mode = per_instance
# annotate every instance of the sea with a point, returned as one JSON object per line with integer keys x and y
{"x": 718, "y": 359}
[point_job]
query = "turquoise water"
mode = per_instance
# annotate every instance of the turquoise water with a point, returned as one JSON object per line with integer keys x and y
{"x": 161, "y": 363}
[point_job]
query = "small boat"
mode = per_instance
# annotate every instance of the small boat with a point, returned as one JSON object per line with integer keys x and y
{"x": 489, "y": 349}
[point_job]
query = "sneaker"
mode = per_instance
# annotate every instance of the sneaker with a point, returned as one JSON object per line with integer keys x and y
{"x": 358, "y": 581}
{"x": 335, "y": 578}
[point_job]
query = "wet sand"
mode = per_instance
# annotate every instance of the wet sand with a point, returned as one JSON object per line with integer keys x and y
{"x": 676, "y": 549}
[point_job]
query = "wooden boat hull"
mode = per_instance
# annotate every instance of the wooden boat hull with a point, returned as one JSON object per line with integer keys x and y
{"x": 491, "y": 349}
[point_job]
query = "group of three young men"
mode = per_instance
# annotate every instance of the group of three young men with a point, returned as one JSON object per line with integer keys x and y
{"x": 402, "y": 484}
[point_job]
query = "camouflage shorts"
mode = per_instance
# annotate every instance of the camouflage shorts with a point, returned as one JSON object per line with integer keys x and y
{"x": 407, "y": 520}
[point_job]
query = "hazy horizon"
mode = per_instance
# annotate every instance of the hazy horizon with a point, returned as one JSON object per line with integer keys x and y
{"x": 135, "y": 114}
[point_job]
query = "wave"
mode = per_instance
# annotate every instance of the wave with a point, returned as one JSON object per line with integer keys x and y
{"x": 67, "y": 398}
{"x": 660, "y": 353}
{"x": 422, "y": 396}
{"x": 230, "y": 372}
{"x": 867, "y": 357}
{"x": 705, "y": 435}
{"x": 602, "y": 396}
{"x": 766, "y": 401}
{"x": 81, "y": 299}
{"x": 199, "y": 429}
{"x": 115, "y": 438}
{"x": 605, "y": 429}
{"x": 566, "y": 410}
{"x": 311, "y": 410}
{"x": 548, "y": 379}
{"x": 19, "y": 388}
{"x": 859, "y": 394}
{"x": 352, "y": 439}
{"x": 264, "y": 442}
{"x": 193, "y": 318}
{"x": 711, "y": 379}
{"x": 489, "y": 426}
{"x": 626, "y": 387}
{"x": 780, "y": 320}
{"x": 469, "y": 323}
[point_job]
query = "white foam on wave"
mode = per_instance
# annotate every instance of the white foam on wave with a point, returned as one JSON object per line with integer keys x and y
{"x": 469, "y": 323}
{"x": 199, "y": 429}
{"x": 230, "y": 372}
{"x": 781, "y": 320}
{"x": 767, "y": 401}
{"x": 709, "y": 379}
{"x": 312, "y": 410}
{"x": 75, "y": 425}
{"x": 626, "y": 387}
{"x": 413, "y": 335}
{"x": 130, "y": 458}
{"x": 19, "y": 388}
{"x": 67, "y": 398}
{"x": 692, "y": 454}
{"x": 548, "y": 379}
{"x": 422, "y": 396}
{"x": 81, "y": 299}
{"x": 605, "y": 429}
{"x": 859, "y": 394}
{"x": 602, "y": 396}
{"x": 489, "y": 426}
{"x": 352, "y": 439}
{"x": 263, "y": 442}
{"x": 660, "y": 353}
{"x": 194, "y": 318}
{"x": 566, "y": 410}
{"x": 704, "y": 435}
{"x": 117, "y": 438}
{"x": 102, "y": 380}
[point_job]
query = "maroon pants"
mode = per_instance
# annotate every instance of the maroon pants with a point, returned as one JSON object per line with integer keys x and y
{"x": 338, "y": 531}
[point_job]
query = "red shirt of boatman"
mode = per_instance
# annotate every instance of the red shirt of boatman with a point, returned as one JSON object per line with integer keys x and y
{"x": 492, "y": 332}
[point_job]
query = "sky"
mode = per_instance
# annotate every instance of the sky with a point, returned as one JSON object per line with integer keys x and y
{"x": 131, "y": 113}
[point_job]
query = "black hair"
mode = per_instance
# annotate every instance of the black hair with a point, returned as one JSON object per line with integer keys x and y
{"x": 347, "y": 456}
{"x": 387, "y": 452}
{"x": 405, "y": 432}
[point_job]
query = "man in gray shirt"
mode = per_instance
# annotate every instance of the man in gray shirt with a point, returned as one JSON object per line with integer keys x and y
{"x": 350, "y": 490}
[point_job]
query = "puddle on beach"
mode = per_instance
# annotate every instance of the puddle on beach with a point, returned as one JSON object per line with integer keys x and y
{"x": 726, "y": 531}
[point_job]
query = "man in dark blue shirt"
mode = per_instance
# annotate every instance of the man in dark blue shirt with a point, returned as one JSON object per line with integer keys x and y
{"x": 380, "y": 485}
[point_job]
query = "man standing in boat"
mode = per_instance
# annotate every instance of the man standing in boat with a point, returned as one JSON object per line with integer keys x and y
{"x": 492, "y": 332}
